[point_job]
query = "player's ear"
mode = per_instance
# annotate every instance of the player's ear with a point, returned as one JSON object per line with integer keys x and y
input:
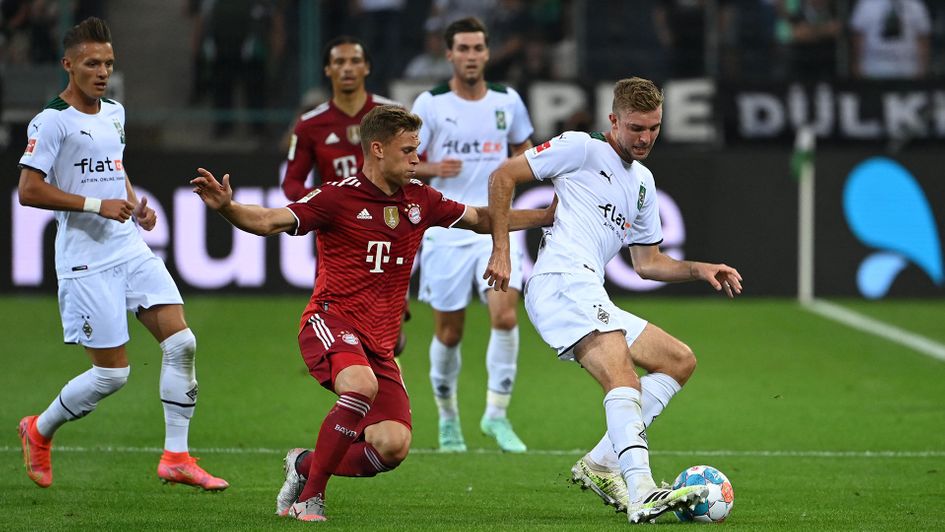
{"x": 377, "y": 149}
{"x": 613, "y": 120}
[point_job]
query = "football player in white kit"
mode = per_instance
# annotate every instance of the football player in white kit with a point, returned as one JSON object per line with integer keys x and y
{"x": 73, "y": 165}
{"x": 469, "y": 128}
{"x": 607, "y": 200}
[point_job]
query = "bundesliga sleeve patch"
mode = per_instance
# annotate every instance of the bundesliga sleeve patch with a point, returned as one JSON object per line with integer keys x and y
{"x": 30, "y": 146}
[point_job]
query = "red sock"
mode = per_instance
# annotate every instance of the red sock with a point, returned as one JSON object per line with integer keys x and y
{"x": 338, "y": 432}
{"x": 361, "y": 460}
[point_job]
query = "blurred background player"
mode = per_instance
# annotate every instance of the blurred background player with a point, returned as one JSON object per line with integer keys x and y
{"x": 349, "y": 328}
{"x": 469, "y": 128}
{"x": 328, "y": 137}
{"x": 73, "y": 165}
{"x": 608, "y": 200}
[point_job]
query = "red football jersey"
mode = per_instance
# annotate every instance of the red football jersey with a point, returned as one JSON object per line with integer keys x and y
{"x": 366, "y": 243}
{"x": 330, "y": 140}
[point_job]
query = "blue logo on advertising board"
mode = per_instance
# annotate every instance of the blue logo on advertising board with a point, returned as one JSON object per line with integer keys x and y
{"x": 887, "y": 209}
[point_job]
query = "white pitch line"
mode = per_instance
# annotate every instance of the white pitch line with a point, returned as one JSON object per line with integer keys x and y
{"x": 869, "y": 325}
{"x": 539, "y": 452}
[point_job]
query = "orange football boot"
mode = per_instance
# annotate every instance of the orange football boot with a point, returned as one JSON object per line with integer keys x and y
{"x": 36, "y": 449}
{"x": 181, "y": 468}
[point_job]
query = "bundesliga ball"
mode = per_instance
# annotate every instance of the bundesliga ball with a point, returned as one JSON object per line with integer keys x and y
{"x": 721, "y": 497}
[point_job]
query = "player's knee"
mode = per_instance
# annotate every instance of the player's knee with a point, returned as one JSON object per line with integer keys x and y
{"x": 180, "y": 349}
{"x": 684, "y": 363}
{"x": 505, "y": 320}
{"x": 360, "y": 382}
{"x": 393, "y": 445}
{"x": 449, "y": 336}
{"x": 109, "y": 380}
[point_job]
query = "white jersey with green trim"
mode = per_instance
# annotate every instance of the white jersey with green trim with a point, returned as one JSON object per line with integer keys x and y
{"x": 82, "y": 154}
{"x": 477, "y": 132}
{"x": 604, "y": 203}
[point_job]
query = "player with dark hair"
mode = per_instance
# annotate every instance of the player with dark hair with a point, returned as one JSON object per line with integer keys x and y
{"x": 608, "y": 200}
{"x": 369, "y": 228}
{"x": 73, "y": 165}
{"x": 470, "y": 127}
{"x": 327, "y": 138}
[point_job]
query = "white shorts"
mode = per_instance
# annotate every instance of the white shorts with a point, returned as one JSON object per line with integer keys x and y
{"x": 566, "y": 307}
{"x": 94, "y": 307}
{"x": 449, "y": 273}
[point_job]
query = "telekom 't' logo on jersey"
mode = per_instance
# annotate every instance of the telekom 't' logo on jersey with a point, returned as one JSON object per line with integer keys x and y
{"x": 345, "y": 166}
{"x": 376, "y": 253}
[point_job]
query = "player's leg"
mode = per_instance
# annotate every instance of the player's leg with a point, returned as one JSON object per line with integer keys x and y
{"x": 669, "y": 362}
{"x": 356, "y": 387}
{"x": 606, "y": 357}
{"x": 446, "y": 280}
{"x": 93, "y": 315}
{"x": 445, "y": 364}
{"x": 156, "y": 301}
{"x": 501, "y": 365}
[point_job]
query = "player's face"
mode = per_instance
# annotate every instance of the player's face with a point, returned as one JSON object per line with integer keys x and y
{"x": 89, "y": 66}
{"x": 636, "y": 132}
{"x": 469, "y": 55}
{"x": 347, "y": 68}
{"x": 400, "y": 161}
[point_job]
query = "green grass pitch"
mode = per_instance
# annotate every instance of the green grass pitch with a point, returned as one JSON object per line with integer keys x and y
{"x": 819, "y": 426}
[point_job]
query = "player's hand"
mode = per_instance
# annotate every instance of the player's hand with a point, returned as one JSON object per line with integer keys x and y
{"x": 498, "y": 271}
{"x": 116, "y": 209}
{"x": 722, "y": 277}
{"x": 449, "y": 167}
{"x": 145, "y": 215}
{"x": 215, "y": 194}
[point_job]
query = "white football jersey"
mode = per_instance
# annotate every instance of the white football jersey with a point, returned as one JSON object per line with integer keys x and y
{"x": 82, "y": 154}
{"x": 479, "y": 134}
{"x": 604, "y": 203}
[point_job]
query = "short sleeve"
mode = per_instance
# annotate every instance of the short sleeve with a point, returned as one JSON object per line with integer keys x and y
{"x": 558, "y": 157}
{"x": 646, "y": 228}
{"x": 313, "y": 211}
{"x": 422, "y": 107}
{"x": 522, "y": 127}
{"x": 44, "y": 139}
{"x": 442, "y": 211}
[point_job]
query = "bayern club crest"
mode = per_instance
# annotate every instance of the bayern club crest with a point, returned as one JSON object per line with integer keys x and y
{"x": 349, "y": 338}
{"x": 413, "y": 213}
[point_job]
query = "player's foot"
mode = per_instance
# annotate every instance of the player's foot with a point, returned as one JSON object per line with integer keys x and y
{"x": 312, "y": 509}
{"x": 658, "y": 501}
{"x": 500, "y": 429}
{"x": 36, "y": 455}
{"x": 294, "y": 482}
{"x": 186, "y": 471}
{"x": 451, "y": 436}
{"x": 608, "y": 484}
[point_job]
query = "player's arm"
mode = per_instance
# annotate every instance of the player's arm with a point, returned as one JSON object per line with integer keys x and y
{"x": 650, "y": 263}
{"x": 34, "y": 191}
{"x": 518, "y": 149}
{"x": 301, "y": 160}
{"x": 477, "y": 218}
{"x": 253, "y": 219}
{"x": 145, "y": 215}
{"x": 501, "y": 187}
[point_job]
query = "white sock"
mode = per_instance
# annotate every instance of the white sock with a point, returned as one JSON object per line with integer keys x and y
{"x": 501, "y": 359}
{"x": 445, "y": 363}
{"x": 658, "y": 389}
{"x": 497, "y": 404}
{"x": 80, "y": 396}
{"x": 178, "y": 388}
{"x": 626, "y": 431}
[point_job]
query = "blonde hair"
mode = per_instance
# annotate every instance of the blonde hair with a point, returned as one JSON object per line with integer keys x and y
{"x": 637, "y": 94}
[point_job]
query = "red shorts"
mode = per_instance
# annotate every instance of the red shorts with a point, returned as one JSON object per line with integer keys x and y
{"x": 329, "y": 345}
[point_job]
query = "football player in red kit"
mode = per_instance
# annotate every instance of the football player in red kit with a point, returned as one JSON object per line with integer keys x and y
{"x": 369, "y": 228}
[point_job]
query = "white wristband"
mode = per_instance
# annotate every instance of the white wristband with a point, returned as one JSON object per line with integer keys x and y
{"x": 92, "y": 205}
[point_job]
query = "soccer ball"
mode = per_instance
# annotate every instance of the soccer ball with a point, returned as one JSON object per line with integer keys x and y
{"x": 721, "y": 497}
